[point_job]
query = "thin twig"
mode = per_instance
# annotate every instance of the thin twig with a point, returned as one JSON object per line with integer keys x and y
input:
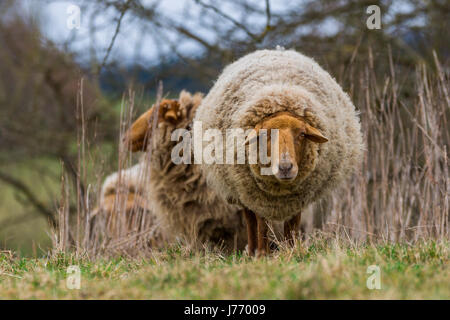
{"x": 113, "y": 40}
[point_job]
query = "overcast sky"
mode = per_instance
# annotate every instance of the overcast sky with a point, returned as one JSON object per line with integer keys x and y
{"x": 133, "y": 37}
{"x": 54, "y": 17}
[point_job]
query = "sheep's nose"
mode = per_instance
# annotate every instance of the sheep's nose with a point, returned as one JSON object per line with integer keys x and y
{"x": 286, "y": 170}
{"x": 285, "y": 167}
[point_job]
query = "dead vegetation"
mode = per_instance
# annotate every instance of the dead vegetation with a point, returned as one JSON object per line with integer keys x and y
{"x": 400, "y": 195}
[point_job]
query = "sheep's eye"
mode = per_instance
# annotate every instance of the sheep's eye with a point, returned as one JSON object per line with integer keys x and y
{"x": 302, "y": 134}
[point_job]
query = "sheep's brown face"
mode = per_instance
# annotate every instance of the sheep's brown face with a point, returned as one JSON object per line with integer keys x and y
{"x": 293, "y": 135}
{"x": 137, "y": 136}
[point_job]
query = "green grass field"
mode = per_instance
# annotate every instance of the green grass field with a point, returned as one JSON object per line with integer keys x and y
{"x": 317, "y": 269}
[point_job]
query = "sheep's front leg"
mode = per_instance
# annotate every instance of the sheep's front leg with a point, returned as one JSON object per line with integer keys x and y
{"x": 263, "y": 242}
{"x": 291, "y": 228}
{"x": 250, "y": 219}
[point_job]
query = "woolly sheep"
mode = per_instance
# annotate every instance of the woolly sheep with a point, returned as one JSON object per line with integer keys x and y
{"x": 258, "y": 86}
{"x": 177, "y": 195}
{"x": 124, "y": 208}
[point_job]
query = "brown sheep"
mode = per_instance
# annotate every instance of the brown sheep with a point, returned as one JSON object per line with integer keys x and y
{"x": 254, "y": 91}
{"x": 177, "y": 195}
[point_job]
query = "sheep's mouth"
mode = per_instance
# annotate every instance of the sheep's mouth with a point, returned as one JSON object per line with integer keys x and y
{"x": 277, "y": 176}
{"x": 273, "y": 186}
{"x": 286, "y": 178}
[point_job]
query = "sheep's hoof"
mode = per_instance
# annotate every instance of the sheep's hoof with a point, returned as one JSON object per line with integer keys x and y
{"x": 247, "y": 251}
{"x": 261, "y": 253}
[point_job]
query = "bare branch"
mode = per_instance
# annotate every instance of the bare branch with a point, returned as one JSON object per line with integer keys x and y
{"x": 229, "y": 18}
{"x": 116, "y": 32}
{"x": 27, "y": 192}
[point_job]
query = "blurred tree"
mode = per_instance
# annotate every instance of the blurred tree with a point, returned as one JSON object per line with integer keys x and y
{"x": 40, "y": 93}
{"x": 332, "y": 31}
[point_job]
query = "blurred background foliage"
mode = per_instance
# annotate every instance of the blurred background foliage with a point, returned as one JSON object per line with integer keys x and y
{"x": 42, "y": 103}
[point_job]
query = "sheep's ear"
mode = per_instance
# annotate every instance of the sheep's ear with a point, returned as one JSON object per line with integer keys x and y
{"x": 314, "y": 135}
{"x": 137, "y": 136}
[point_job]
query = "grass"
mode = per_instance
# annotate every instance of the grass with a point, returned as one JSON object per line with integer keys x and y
{"x": 316, "y": 269}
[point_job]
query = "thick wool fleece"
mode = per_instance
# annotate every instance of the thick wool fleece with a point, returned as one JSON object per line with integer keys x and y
{"x": 261, "y": 84}
{"x": 125, "y": 207}
{"x": 180, "y": 197}
{"x": 177, "y": 195}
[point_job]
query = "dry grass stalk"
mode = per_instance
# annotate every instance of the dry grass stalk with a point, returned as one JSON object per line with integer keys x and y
{"x": 400, "y": 195}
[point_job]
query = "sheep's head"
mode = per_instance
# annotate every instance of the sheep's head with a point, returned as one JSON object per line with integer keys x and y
{"x": 295, "y": 134}
{"x": 141, "y": 130}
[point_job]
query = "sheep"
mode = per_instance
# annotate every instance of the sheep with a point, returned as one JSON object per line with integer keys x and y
{"x": 177, "y": 195}
{"x": 285, "y": 90}
{"x": 124, "y": 191}
{"x": 124, "y": 216}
